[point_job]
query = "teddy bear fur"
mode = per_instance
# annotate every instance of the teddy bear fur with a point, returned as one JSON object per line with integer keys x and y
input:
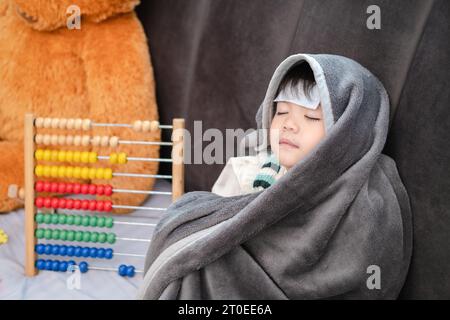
{"x": 102, "y": 72}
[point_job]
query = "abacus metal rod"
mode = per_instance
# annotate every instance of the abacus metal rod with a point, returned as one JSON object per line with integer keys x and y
{"x": 117, "y": 206}
{"x": 150, "y": 143}
{"x": 138, "y": 159}
{"x": 129, "y": 254}
{"x": 141, "y": 175}
{"x": 109, "y": 269}
{"x": 125, "y": 125}
{"x": 135, "y": 223}
{"x": 141, "y": 191}
{"x": 133, "y": 239}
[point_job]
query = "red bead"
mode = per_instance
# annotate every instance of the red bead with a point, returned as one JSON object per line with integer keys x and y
{"x": 39, "y": 186}
{"x": 69, "y": 187}
{"x": 47, "y": 186}
{"x": 61, "y": 187}
{"x": 39, "y": 202}
{"x": 55, "y": 202}
{"x": 107, "y": 205}
{"x": 92, "y": 205}
{"x": 62, "y": 203}
{"x": 76, "y": 188}
{"x": 92, "y": 189}
{"x": 84, "y": 189}
{"x": 108, "y": 190}
{"x": 69, "y": 204}
{"x": 54, "y": 187}
{"x": 77, "y": 204}
{"x": 84, "y": 204}
{"x": 100, "y": 189}
{"x": 48, "y": 202}
{"x": 100, "y": 206}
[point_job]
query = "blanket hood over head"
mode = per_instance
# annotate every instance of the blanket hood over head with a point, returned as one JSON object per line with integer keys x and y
{"x": 336, "y": 225}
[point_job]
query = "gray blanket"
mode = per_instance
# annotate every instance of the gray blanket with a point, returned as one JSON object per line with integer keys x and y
{"x": 336, "y": 226}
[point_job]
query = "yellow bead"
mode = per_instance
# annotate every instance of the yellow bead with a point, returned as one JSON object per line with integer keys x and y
{"x": 107, "y": 173}
{"x": 77, "y": 172}
{"x": 47, "y": 171}
{"x": 54, "y": 155}
{"x": 122, "y": 158}
{"x": 69, "y": 172}
{"x": 76, "y": 156}
{"x": 84, "y": 157}
{"x": 100, "y": 173}
{"x": 47, "y": 155}
{"x": 69, "y": 156}
{"x": 62, "y": 156}
{"x": 38, "y": 170}
{"x": 85, "y": 173}
{"x": 92, "y": 157}
{"x": 92, "y": 173}
{"x": 61, "y": 172}
{"x": 54, "y": 172}
{"x": 113, "y": 158}
{"x": 39, "y": 154}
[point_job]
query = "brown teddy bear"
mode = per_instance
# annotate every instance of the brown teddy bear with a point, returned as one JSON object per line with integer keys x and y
{"x": 100, "y": 71}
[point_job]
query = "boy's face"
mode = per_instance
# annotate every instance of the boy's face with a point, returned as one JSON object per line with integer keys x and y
{"x": 295, "y": 131}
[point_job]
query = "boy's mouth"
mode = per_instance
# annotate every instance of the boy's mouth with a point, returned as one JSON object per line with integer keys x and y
{"x": 288, "y": 143}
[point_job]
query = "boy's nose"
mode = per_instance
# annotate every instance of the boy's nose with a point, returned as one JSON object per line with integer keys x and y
{"x": 290, "y": 125}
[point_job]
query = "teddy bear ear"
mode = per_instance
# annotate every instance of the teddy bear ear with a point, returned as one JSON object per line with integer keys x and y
{"x": 97, "y": 11}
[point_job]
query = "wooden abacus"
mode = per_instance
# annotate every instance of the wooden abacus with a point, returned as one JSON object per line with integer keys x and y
{"x": 32, "y": 187}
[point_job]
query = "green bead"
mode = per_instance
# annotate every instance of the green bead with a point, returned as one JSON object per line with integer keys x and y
{"x": 47, "y": 218}
{"x": 111, "y": 238}
{"x": 85, "y": 221}
{"x": 77, "y": 220}
{"x": 70, "y": 235}
{"x": 79, "y": 236}
{"x": 62, "y": 219}
{"x": 55, "y": 218}
{"x": 69, "y": 220}
{"x": 39, "y": 218}
{"x": 86, "y": 236}
{"x": 102, "y": 237}
{"x": 55, "y": 234}
{"x": 94, "y": 237}
{"x": 93, "y": 221}
{"x": 109, "y": 222}
{"x": 39, "y": 233}
{"x": 101, "y": 222}
{"x": 63, "y": 235}
{"x": 48, "y": 234}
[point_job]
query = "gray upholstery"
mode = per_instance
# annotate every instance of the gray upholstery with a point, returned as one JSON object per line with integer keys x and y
{"x": 213, "y": 60}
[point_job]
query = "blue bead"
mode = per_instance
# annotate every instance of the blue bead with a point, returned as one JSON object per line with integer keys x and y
{"x": 130, "y": 271}
{"x": 108, "y": 253}
{"x": 48, "y": 265}
{"x": 93, "y": 252}
{"x": 70, "y": 251}
{"x": 62, "y": 250}
{"x": 71, "y": 263}
{"x": 122, "y": 270}
{"x": 48, "y": 249}
{"x": 40, "y": 264}
{"x": 101, "y": 253}
{"x": 55, "y": 250}
{"x": 55, "y": 265}
{"x": 85, "y": 252}
{"x": 40, "y": 248}
{"x": 63, "y": 266}
{"x": 83, "y": 267}
{"x": 77, "y": 252}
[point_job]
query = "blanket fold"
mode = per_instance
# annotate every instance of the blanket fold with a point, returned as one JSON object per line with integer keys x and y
{"x": 318, "y": 232}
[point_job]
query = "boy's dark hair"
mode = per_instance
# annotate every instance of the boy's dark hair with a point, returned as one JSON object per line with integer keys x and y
{"x": 299, "y": 71}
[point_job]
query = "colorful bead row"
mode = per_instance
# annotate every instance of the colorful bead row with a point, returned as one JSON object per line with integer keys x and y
{"x": 118, "y": 158}
{"x": 73, "y": 204}
{"x": 73, "y": 172}
{"x": 75, "y": 220}
{"x": 126, "y": 271}
{"x": 66, "y": 156}
{"x": 72, "y": 251}
{"x": 60, "y": 266}
{"x": 63, "y": 123}
{"x": 145, "y": 126}
{"x": 73, "y": 188}
{"x": 72, "y": 235}
{"x": 85, "y": 140}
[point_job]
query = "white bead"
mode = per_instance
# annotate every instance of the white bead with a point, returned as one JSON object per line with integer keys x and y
{"x": 70, "y": 124}
{"x": 155, "y": 125}
{"x": 85, "y": 140}
{"x": 61, "y": 140}
{"x": 105, "y": 141}
{"x": 55, "y": 123}
{"x": 39, "y": 122}
{"x": 78, "y": 124}
{"x": 38, "y": 138}
{"x": 69, "y": 140}
{"x": 47, "y": 139}
{"x": 62, "y": 123}
{"x": 77, "y": 140}
{"x": 96, "y": 141}
{"x": 114, "y": 141}
{"x": 86, "y": 124}
{"x": 47, "y": 122}
{"x": 54, "y": 140}
{"x": 137, "y": 125}
{"x": 146, "y": 126}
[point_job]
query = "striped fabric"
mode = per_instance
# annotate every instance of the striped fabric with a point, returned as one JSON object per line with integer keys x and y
{"x": 267, "y": 174}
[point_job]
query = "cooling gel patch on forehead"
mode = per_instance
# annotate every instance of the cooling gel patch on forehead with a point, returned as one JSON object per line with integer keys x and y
{"x": 297, "y": 95}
